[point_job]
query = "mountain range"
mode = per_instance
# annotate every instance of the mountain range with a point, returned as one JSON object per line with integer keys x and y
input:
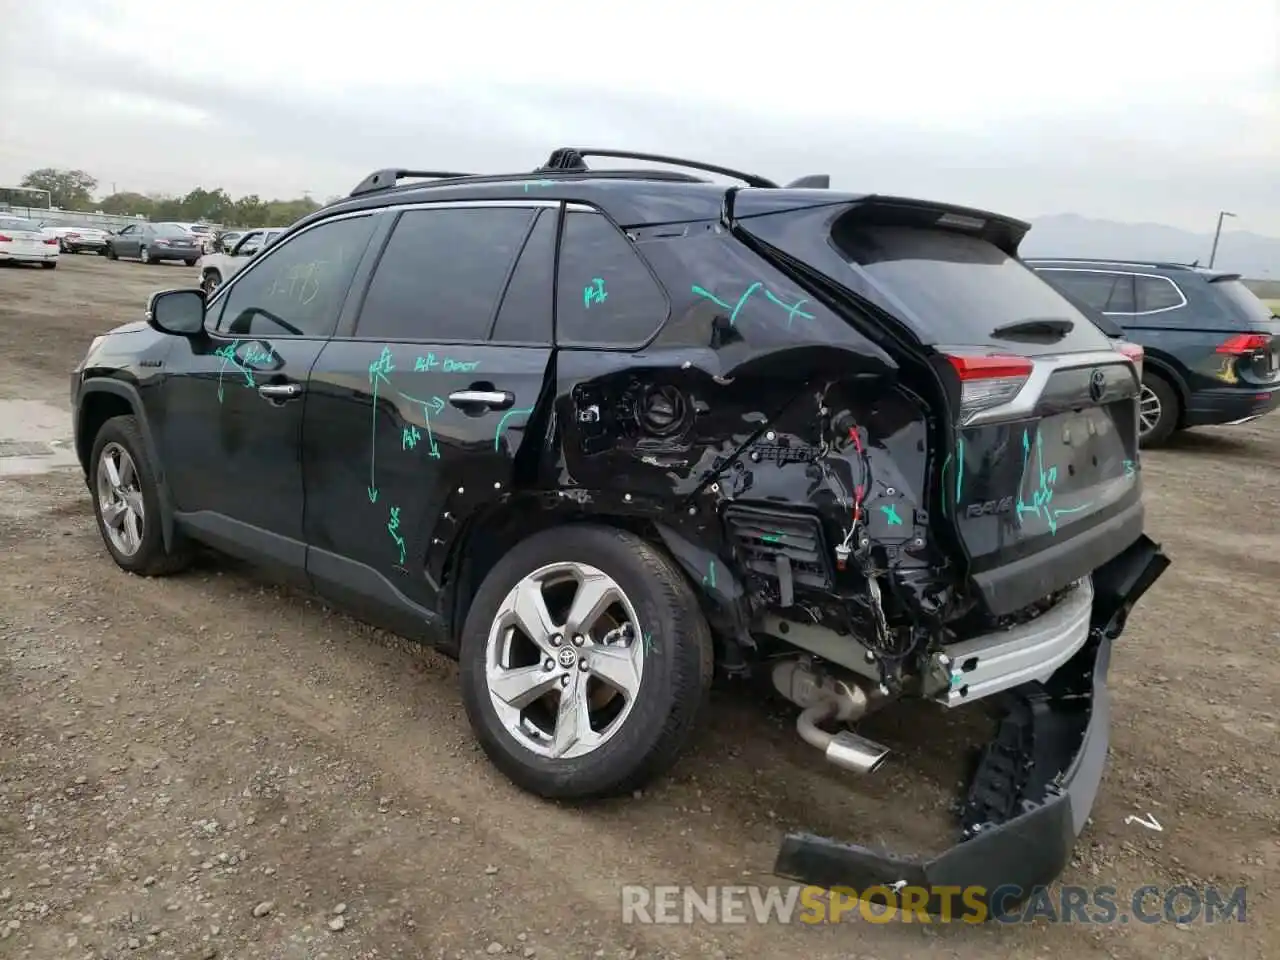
{"x": 1068, "y": 235}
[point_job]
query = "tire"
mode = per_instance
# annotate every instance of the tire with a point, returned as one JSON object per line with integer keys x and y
{"x": 50, "y": 265}
{"x": 145, "y": 255}
{"x": 189, "y": 263}
{"x": 672, "y": 661}
{"x": 149, "y": 558}
{"x": 111, "y": 253}
{"x": 63, "y": 248}
{"x": 210, "y": 282}
{"x": 1157, "y": 391}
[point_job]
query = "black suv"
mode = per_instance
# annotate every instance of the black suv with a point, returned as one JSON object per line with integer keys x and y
{"x": 1212, "y": 348}
{"x": 601, "y": 434}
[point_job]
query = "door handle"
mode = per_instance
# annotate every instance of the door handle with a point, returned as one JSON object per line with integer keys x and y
{"x": 280, "y": 392}
{"x": 493, "y": 399}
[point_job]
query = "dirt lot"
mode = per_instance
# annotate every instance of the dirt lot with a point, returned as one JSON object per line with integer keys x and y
{"x": 175, "y": 753}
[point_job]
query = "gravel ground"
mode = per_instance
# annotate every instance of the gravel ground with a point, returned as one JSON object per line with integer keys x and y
{"x": 212, "y": 766}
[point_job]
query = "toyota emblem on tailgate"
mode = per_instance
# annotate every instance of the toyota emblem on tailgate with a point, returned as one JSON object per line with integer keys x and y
{"x": 1097, "y": 384}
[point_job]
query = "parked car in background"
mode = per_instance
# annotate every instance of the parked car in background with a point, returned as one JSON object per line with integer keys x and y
{"x": 75, "y": 238}
{"x": 22, "y": 242}
{"x": 226, "y": 240}
{"x": 153, "y": 242}
{"x": 217, "y": 268}
{"x": 206, "y": 236}
{"x": 1211, "y": 348}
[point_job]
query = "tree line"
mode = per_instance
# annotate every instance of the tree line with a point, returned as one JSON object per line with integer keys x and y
{"x": 75, "y": 190}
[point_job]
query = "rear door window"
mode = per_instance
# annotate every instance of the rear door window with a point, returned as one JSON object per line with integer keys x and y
{"x": 1104, "y": 291}
{"x": 442, "y": 274}
{"x": 960, "y": 289}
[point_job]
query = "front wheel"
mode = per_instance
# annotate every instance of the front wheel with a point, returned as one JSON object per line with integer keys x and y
{"x": 50, "y": 265}
{"x": 111, "y": 253}
{"x": 1158, "y": 410}
{"x": 585, "y": 663}
{"x": 126, "y": 501}
{"x": 210, "y": 282}
{"x": 145, "y": 255}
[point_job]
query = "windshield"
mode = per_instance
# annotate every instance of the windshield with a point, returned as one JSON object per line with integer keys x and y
{"x": 200, "y": 228}
{"x": 1243, "y": 300}
{"x": 962, "y": 289}
{"x": 16, "y": 223}
{"x": 170, "y": 230}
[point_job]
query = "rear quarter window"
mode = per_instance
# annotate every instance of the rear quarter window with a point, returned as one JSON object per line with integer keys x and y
{"x": 958, "y": 289}
{"x": 606, "y": 295}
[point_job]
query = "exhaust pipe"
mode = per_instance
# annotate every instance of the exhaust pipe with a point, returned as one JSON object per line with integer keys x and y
{"x": 824, "y": 699}
{"x": 845, "y": 749}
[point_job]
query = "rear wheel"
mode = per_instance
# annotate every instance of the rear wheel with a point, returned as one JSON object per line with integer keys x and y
{"x": 145, "y": 255}
{"x": 585, "y": 663}
{"x": 189, "y": 263}
{"x": 1159, "y": 410}
{"x": 49, "y": 264}
{"x": 126, "y": 501}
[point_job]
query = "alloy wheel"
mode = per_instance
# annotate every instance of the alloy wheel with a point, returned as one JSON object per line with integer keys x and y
{"x": 564, "y": 660}
{"x": 1149, "y": 411}
{"x": 120, "y": 499}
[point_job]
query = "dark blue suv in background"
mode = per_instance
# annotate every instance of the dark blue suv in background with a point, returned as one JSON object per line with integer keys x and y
{"x": 1212, "y": 349}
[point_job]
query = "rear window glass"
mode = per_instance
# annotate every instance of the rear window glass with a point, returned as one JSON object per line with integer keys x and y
{"x": 961, "y": 288}
{"x": 13, "y": 223}
{"x": 170, "y": 230}
{"x": 1242, "y": 299}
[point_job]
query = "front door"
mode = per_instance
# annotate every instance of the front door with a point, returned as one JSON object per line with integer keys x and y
{"x": 230, "y": 425}
{"x": 414, "y": 417}
{"x": 125, "y": 243}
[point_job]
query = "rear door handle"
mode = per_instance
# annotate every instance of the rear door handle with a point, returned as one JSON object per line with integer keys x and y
{"x": 280, "y": 392}
{"x": 493, "y": 399}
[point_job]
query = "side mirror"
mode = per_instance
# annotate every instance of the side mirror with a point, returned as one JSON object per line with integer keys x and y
{"x": 177, "y": 312}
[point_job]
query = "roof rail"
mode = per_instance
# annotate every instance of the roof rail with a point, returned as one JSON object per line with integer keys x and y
{"x": 386, "y": 179}
{"x": 571, "y": 159}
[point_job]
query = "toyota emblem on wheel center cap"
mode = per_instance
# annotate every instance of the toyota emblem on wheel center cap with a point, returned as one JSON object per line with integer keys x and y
{"x": 566, "y": 656}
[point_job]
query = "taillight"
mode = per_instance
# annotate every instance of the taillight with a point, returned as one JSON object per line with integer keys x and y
{"x": 1134, "y": 353}
{"x": 988, "y": 380}
{"x": 1243, "y": 343}
{"x": 52, "y": 241}
{"x": 4, "y": 239}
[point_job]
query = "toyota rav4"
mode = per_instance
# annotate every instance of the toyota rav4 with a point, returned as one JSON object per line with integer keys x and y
{"x": 602, "y": 435}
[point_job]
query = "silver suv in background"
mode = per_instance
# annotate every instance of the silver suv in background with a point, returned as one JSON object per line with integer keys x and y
{"x": 217, "y": 268}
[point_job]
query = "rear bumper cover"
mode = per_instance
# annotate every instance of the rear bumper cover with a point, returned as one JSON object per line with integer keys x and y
{"x": 1022, "y": 838}
{"x": 1211, "y": 407}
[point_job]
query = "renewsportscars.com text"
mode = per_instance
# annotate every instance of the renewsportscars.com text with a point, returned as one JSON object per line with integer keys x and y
{"x": 1148, "y": 904}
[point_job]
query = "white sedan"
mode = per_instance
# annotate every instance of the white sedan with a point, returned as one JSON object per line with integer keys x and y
{"x": 22, "y": 241}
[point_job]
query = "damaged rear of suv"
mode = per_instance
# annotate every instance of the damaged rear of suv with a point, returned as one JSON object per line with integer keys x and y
{"x": 850, "y": 440}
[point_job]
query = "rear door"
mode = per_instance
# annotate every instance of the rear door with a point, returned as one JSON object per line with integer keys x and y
{"x": 1037, "y": 468}
{"x": 415, "y": 416}
{"x": 125, "y": 243}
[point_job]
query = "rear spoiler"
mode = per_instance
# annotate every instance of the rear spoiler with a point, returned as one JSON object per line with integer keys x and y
{"x": 1002, "y": 231}
{"x": 1219, "y": 277}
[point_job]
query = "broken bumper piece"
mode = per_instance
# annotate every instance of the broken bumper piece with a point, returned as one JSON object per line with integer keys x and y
{"x": 1019, "y": 829}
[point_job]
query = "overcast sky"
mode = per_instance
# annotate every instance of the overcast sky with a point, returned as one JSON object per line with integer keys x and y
{"x": 1139, "y": 110}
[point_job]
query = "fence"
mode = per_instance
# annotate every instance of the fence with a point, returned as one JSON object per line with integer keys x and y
{"x": 106, "y": 221}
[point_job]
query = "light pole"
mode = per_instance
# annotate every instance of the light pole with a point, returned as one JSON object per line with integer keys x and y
{"x": 1216, "y": 234}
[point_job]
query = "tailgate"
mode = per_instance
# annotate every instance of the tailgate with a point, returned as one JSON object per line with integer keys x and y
{"x": 1037, "y": 470}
